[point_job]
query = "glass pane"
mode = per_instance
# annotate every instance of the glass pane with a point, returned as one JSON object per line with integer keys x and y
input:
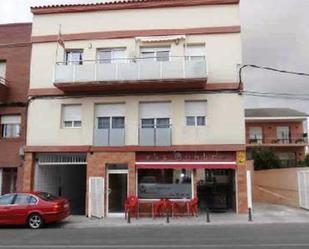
{"x": 10, "y": 130}
{"x": 105, "y": 56}
{"x": 32, "y": 200}
{"x": 165, "y": 183}
{"x": 6, "y": 199}
{"x": 163, "y": 55}
{"x": 77, "y": 123}
{"x": 200, "y": 121}
{"x": 67, "y": 124}
{"x": 74, "y": 57}
{"x": 104, "y": 123}
{"x": 190, "y": 121}
{"x": 148, "y": 56}
{"x": 22, "y": 199}
{"x": 118, "y": 122}
{"x": 163, "y": 122}
{"x": 148, "y": 123}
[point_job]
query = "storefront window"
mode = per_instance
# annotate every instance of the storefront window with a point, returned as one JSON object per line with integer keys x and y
{"x": 164, "y": 183}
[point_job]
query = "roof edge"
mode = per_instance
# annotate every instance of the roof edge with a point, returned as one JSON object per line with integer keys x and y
{"x": 119, "y": 5}
{"x": 16, "y": 24}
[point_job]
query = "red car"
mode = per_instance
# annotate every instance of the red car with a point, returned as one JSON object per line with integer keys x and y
{"x": 33, "y": 209}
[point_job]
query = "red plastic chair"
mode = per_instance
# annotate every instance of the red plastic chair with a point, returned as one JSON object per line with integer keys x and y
{"x": 161, "y": 207}
{"x": 192, "y": 207}
{"x": 131, "y": 206}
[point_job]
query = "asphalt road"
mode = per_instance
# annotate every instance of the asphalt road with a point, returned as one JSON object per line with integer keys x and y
{"x": 285, "y": 236}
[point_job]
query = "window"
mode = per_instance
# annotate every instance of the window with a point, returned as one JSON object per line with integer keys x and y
{"x": 110, "y": 122}
{"x": 23, "y": 199}
{"x": 195, "y": 52}
{"x": 195, "y": 113}
{"x": 10, "y": 126}
{"x": 283, "y": 134}
{"x": 46, "y": 196}
{"x": 2, "y": 71}
{"x": 6, "y": 199}
{"x": 155, "y": 53}
{"x": 74, "y": 57}
{"x": 111, "y": 55}
{"x": 164, "y": 183}
{"x": 71, "y": 116}
{"x": 255, "y": 135}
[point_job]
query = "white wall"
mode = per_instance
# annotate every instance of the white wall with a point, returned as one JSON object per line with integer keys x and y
{"x": 225, "y": 120}
{"x": 137, "y": 19}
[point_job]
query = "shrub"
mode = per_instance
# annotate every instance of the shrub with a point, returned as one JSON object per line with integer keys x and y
{"x": 306, "y": 161}
{"x": 265, "y": 158}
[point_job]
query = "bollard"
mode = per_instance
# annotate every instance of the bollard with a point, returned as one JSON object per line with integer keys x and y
{"x": 167, "y": 217}
{"x": 129, "y": 217}
{"x": 250, "y": 214}
{"x": 207, "y": 216}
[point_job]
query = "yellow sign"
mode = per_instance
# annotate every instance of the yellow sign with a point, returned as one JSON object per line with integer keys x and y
{"x": 241, "y": 158}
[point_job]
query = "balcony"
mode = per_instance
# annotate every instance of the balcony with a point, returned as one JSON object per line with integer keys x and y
{"x": 109, "y": 137}
{"x": 138, "y": 74}
{"x": 155, "y": 136}
{"x": 3, "y": 89}
{"x": 294, "y": 140}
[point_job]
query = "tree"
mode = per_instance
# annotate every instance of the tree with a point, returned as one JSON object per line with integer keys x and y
{"x": 265, "y": 158}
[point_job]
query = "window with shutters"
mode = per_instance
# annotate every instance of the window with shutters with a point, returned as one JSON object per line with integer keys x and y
{"x": 2, "y": 72}
{"x": 111, "y": 55}
{"x": 155, "y": 53}
{"x": 10, "y": 126}
{"x": 71, "y": 116}
{"x": 195, "y": 52}
{"x": 196, "y": 113}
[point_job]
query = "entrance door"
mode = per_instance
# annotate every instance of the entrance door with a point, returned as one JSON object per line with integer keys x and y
{"x": 117, "y": 191}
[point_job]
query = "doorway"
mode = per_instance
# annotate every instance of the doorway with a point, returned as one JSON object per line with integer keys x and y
{"x": 117, "y": 185}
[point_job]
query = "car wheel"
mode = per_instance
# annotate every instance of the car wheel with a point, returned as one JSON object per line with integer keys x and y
{"x": 35, "y": 221}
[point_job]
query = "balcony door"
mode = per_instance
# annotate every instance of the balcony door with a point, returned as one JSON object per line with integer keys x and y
{"x": 155, "y": 124}
{"x": 109, "y": 125}
{"x": 283, "y": 134}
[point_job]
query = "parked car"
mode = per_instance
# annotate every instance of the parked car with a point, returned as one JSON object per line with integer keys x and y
{"x": 33, "y": 209}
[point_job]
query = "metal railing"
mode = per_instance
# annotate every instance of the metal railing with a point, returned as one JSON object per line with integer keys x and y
{"x": 131, "y": 69}
{"x": 294, "y": 139}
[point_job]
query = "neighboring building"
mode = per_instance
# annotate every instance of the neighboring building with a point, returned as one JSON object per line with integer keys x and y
{"x": 283, "y": 130}
{"x": 142, "y": 94}
{"x": 15, "y": 52}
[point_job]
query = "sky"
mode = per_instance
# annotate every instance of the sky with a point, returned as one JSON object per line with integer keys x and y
{"x": 274, "y": 33}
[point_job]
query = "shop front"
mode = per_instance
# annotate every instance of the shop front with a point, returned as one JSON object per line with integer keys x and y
{"x": 183, "y": 176}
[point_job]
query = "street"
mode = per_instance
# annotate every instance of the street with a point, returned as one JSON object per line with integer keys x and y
{"x": 251, "y": 236}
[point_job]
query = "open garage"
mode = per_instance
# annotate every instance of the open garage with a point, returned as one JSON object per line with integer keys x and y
{"x": 63, "y": 175}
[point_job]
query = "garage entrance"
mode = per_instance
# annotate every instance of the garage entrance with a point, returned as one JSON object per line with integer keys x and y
{"x": 63, "y": 175}
{"x": 216, "y": 189}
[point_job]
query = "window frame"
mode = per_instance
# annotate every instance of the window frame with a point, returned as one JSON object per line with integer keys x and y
{"x": 72, "y": 121}
{"x": 155, "y": 50}
{"x": 113, "y": 59}
{"x": 18, "y": 125}
{"x": 74, "y": 63}
{"x": 195, "y": 118}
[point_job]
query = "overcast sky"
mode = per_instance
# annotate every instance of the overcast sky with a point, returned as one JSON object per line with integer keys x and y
{"x": 274, "y": 32}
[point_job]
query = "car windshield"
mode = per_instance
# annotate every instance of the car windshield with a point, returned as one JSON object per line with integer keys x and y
{"x": 46, "y": 196}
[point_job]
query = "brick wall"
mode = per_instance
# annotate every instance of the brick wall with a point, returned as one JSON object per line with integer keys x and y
{"x": 96, "y": 166}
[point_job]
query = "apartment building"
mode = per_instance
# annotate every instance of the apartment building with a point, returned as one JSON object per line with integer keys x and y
{"x": 137, "y": 98}
{"x": 15, "y": 52}
{"x": 282, "y": 130}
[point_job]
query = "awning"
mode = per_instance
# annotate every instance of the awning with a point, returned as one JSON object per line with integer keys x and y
{"x": 185, "y": 165}
{"x": 160, "y": 38}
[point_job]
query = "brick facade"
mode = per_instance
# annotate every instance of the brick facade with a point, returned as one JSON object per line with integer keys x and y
{"x": 15, "y": 50}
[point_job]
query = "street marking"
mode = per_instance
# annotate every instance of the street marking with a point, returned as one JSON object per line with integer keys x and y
{"x": 305, "y": 245}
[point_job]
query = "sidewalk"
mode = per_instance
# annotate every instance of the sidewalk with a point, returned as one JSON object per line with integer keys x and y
{"x": 262, "y": 214}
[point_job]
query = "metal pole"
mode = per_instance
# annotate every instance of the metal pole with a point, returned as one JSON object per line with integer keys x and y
{"x": 167, "y": 216}
{"x": 129, "y": 216}
{"x": 249, "y": 214}
{"x": 207, "y": 216}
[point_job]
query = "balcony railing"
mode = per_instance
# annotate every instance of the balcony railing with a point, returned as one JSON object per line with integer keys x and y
{"x": 130, "y": 70}
{"x": 295, "y": 139}
{"x": 109, "y": 137}
{"x": 155, "y": 136}
{"x": 3, "y": 81}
